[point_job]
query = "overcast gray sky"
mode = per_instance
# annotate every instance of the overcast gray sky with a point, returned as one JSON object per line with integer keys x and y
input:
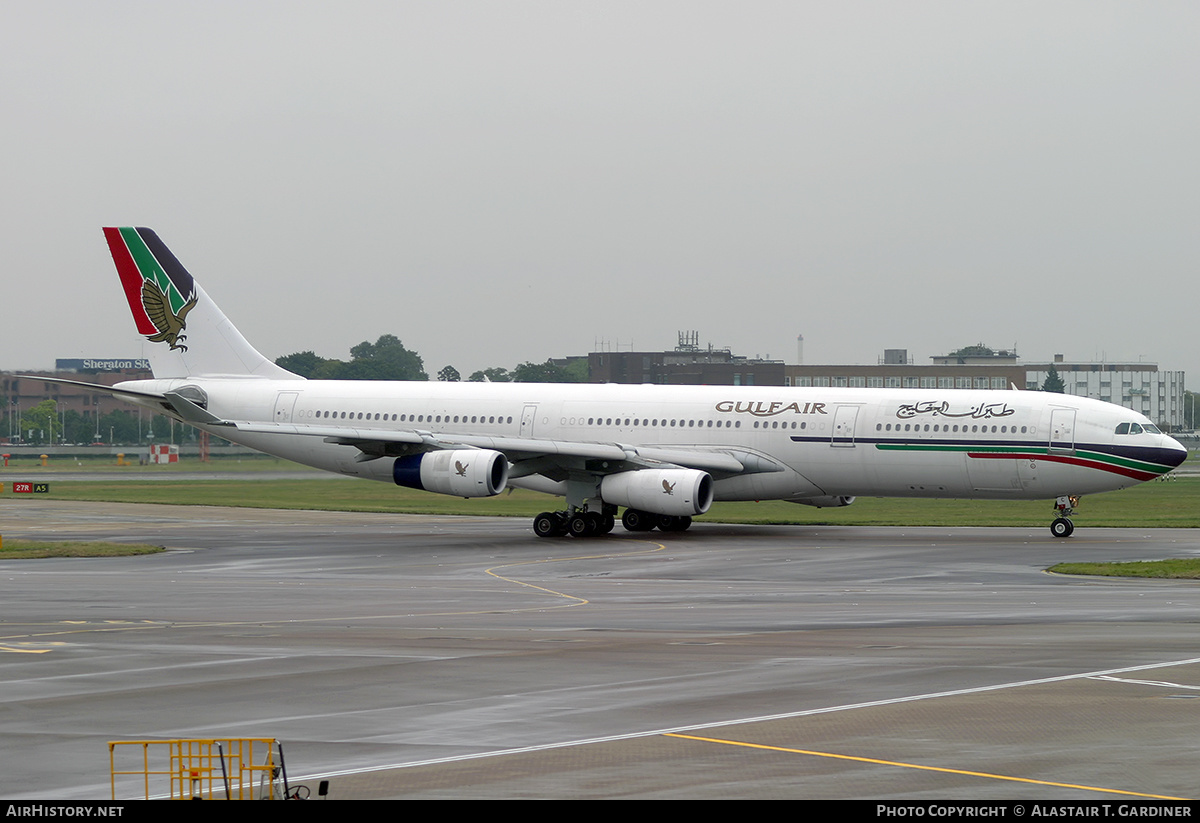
{"x": 496, "y": 182}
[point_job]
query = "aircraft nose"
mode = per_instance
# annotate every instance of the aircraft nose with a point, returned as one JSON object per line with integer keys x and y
{"x": 1175, "y": 452}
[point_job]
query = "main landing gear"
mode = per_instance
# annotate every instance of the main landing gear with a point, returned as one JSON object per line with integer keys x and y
{"x": 639, "y": 521}
{"x": 593, "y": 524}
{"x": 1065, "y": 507}
{"x": 577, "y": 524}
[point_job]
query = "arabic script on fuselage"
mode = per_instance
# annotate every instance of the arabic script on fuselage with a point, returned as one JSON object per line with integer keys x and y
{"x": 941, "y": 408}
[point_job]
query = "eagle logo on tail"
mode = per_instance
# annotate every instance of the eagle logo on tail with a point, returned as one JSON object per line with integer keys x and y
{"x": 169, "y": 324}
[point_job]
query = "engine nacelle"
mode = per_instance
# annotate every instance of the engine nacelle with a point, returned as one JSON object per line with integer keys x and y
{"x": 832, "y": 501}
{"x": 461, "y": 472}
{"x": 680, "y": 492}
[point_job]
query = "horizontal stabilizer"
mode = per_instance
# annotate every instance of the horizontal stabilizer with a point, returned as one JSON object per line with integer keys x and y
{"x": 127, "y": 394}
{"x": 191, "y": 412}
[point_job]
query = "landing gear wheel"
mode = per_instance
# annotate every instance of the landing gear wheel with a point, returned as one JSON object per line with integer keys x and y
{"x": 1064, "y": 507}
{"x": 547, "y": 524}
{"x": 582, "y": 525}
{"x": 1062, "y": 527}
{"x": 673, "y": 523}
{"x": 607, "y": 522}
{"x": 638, "y": 521}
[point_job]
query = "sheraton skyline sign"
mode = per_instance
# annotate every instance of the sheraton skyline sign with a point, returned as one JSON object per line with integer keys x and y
{"x": 102, "y": 364}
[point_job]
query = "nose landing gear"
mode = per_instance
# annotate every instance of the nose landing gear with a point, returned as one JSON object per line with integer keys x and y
{"x": 1065, "y": 507}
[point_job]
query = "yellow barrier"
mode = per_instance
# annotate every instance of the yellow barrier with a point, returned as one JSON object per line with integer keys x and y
{"x": 232, "y": 769}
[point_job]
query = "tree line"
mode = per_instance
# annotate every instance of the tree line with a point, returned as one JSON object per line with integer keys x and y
{"x": 45, "y": 425}
{"x": 388, "y": 359}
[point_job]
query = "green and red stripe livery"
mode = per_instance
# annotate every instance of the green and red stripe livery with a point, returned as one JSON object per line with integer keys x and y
{"x": 1136, "y": 463}
{"x": 141, "y": 257}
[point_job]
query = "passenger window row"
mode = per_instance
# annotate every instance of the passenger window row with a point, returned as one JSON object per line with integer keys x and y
{"x": 639, "y": 422}
{"x": 956, "y": 428}
{"x": 407, "y": 418}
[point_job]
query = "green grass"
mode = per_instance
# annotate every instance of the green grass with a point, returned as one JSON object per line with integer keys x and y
{"x": 37, "y": 549}
{"x": 1151, "y": 505}
{"x": 28, "y": 467}
{"x": 1185, "y": 569}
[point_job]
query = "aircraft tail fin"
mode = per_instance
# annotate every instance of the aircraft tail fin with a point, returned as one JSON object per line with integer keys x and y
{"x": 187, "y": 334}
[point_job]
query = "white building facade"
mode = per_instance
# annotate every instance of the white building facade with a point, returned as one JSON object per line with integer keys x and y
{"x": 1138, "y": 386}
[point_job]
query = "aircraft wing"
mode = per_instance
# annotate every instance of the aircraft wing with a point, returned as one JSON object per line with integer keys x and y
{"x": 549, "y": 457}
{"x": 552, "y": 458}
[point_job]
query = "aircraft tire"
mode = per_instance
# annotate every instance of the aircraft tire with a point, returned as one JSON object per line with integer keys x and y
{"x": 638, "y": 521}
{"x": 581, "y": 525}
{"x": 673, "y": 523}
{"x": 546, "y": 525}
{"x": 1062, "y": 527}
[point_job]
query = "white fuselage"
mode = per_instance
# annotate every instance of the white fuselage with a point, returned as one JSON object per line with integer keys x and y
{"x": 822, "y": 441}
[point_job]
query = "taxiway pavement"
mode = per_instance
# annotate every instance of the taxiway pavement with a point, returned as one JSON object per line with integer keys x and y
{"x": 443, "y": 657}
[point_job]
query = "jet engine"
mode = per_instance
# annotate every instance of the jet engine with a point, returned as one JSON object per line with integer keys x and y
{"x": 461, "y": 472}
{"x": 680, "y": 492}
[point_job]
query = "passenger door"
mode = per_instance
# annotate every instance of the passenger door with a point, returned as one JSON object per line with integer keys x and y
{"x": 1062, "y": 431}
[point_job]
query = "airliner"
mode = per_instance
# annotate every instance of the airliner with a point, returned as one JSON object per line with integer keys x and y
{"x": 662, "y": 453}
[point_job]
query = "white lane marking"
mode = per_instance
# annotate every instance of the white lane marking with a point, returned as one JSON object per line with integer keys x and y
{"x": 782, "y": 716}
{"x": 1162, "y": 683}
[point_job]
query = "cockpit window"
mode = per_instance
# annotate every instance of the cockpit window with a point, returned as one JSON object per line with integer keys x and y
{"x": 1135, "y": 428}
{"x": 1152, "y": 429}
